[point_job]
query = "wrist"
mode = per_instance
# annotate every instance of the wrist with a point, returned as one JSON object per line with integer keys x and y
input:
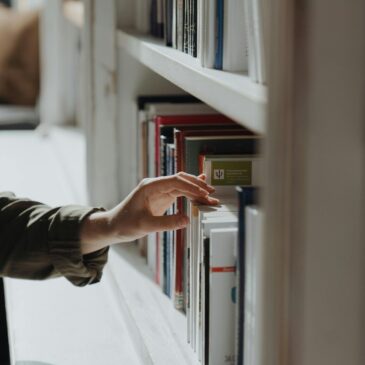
{"x": 96, "y": 230}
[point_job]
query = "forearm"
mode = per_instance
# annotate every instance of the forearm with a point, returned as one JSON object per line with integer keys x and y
{"x": 96, "y": 232}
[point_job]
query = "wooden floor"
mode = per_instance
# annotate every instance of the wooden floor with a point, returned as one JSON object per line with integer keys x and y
{"x": 53, "y": 322}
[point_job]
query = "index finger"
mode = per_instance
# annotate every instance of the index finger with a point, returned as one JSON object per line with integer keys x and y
{"x": 172, "y": 183}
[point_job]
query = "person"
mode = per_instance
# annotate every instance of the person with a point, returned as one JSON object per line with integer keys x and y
{"x": 39, "y": 242}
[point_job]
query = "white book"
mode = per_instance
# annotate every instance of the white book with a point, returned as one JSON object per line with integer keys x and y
{"x": 142, "y": 16}
{"x": 260, "y": 21}
{"x": 220, "y": 216}
{"x": 208, "y": 33}
{"x": 174, "y": 24}
{"x": 234, "y": 37}
{"x": 197, "y": 214}
{"x": 228, "y": 220}
{"x": 253, "y": 333}
{"x": 252, "y": 55}
{"x": 200, "y": 24}
{"x": 222, "y": 296}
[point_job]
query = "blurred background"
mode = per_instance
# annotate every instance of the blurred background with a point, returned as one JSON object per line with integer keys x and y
{"x": 42, "y": 147}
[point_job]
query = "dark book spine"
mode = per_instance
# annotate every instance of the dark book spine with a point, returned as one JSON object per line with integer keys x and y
{"x": 153, "y": 17}
{"x": 186, "y": 26}
{"x": 194, "y": 28}
{"x": 246, "y": 196}
{"x": 168, "y": 22}
{"x": 160, "y": 18}
{"x": 218, "y": 62}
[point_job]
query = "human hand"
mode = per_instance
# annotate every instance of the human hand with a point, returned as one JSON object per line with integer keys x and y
{"x": 143, "y": 210}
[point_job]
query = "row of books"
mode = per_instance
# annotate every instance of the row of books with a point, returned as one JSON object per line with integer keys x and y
{"x": 203, "y": 268}
{"x": 228, "y": 35}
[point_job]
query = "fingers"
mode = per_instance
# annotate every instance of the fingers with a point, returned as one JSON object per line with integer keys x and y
{"x": 203, "y": 200}
{"x": 172, "y": 183}
{"x": 200, "y": 180}
{"x": 166, "y": 223}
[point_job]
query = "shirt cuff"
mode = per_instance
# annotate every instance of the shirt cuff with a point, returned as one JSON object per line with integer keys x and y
{"x": 65, "y": 248}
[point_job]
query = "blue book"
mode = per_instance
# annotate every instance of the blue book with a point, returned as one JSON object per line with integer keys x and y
{"x": 218, "y": 62}
{"x": 246, "y": 196}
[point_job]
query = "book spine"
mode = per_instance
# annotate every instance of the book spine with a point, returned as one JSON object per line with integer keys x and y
{"x": 168, "y": 23}
{"x": 153, "y": 18}
{"x": 221, "y": 296}
{"x": 194, "y": 29}
{"x": 252, "y": 56}
{"x": 209, "y": 34}
{"x": 200, "y": 34}
{"x": 180, "y": 24}
{"x": 246, "y": 196}
{"x": 218, "y": 62}
{"x": 174, "y": 24}
{"x": 160, "y": 19}
{"x": 234, "y": 37}
{"x": 186, "y": 26}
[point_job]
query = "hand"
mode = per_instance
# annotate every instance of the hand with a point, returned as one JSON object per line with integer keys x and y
{"x": 143, "y": 210}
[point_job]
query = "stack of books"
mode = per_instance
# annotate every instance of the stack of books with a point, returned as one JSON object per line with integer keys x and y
{"x": 228, "y": 35}
{"x": 211, "y": 269}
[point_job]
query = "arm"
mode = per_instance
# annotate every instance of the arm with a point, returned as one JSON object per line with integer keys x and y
{"x": 39, "y": 242}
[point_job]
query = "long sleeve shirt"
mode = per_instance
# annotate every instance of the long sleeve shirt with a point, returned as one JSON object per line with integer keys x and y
{"x": 39, "y": 242}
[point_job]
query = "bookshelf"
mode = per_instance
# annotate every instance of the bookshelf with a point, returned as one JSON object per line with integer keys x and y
{"x": 245, "y": 101}
{"x": 312, "y": 121}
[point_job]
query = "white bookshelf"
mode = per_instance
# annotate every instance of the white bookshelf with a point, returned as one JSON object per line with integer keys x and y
{"x": 314, "y": 151}
{"x": 244, "y": 101}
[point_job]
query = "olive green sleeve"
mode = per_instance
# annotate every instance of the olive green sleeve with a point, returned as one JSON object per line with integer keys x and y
{"x": 38, "y": 242}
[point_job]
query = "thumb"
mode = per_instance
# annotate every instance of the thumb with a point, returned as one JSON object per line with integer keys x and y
{"x": 166, "y": 222}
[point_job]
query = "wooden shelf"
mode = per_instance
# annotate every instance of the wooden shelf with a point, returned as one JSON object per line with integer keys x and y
{"x": 244, "y": 101}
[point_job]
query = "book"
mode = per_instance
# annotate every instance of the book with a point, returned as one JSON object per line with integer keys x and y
{"x": 246, "y": 196}
{"x": 225, "y": 172}
{"x": 234, "y": 37}
{"x": 253, "y": 332}
{"x": 252, "y": 52}
{"x": 207, "y": 33}
{"x": 219, "y": 28}
{"x": 148, "y": 106}
{"x": 188, "y": 149}
{"x": 180, "y": 24}
{"x": 169, "y": 22}
{"x": 260, "y": 19}
{"x": 164, "y": 125}
{"x": 236, "y": 143}
{"x": 223, "y": 214}
{"x": 221, "y": 296}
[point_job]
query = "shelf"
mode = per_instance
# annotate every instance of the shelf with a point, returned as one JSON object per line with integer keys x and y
{"x": 232, "y": 94}
{"x": 157, "y": 330}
